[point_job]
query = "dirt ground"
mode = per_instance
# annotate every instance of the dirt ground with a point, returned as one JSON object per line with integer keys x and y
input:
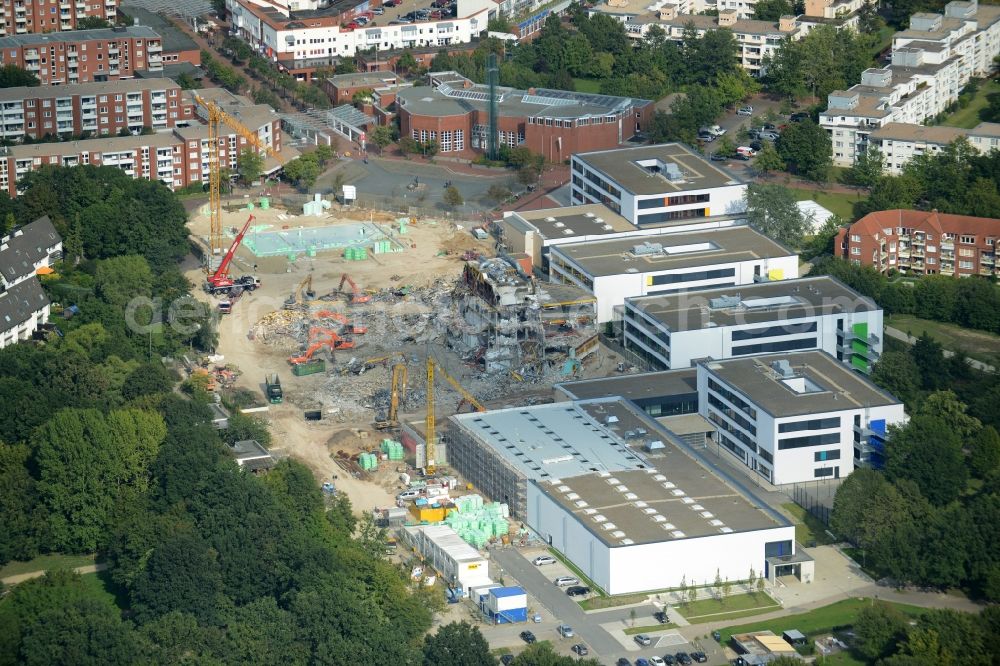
{"x": 432, "y": 258}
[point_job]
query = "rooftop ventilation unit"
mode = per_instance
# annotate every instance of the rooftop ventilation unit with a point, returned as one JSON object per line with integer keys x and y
{"x": 590, "y": 512}
{"x": 599, "y": 220}
{"x": 677, "y": 534}
{"x": 659, "y": 519}
{"x": 783, "y": 368}
{"x": 600, "y": 518}
{"x": 646, "y": 249}
{"x": 715, "y": 522}
{"x": 659, "y": 477}
{"x": 550, "y": 219}
{"x": 631, "y": 496}
{"x": 580, "y": 504}
{"x": 564, "y": 489}
{"x": 726, "y": 530}
{"x": 640, "y": 505}
{"x": 568, "y": 232}
{"x": 687, "y": 500}
{"x": 649, "y": 511}
{"x": 609, "y": 526}
{"x": 669, "y": 485}
{"x": 707, "y": 514}
{"x": 668, "y": 526}
{"x": 677, "y": 492}
{"x": 572, "y": 496}
{"x": 608, "y": 227}
{"x": 672, "y": 172}
{"x": 697, "y": 507}
{"x": 611, "y": 419}
{"x": 558, "y": 224}
{"x": 621, "y": 488}
{"x": 618, "y": 534}
{"x": 723, "y": 302}
{"x": 588, "y": 215}
{"x": 612, "y": 480}
{"x": 627, "y": 542}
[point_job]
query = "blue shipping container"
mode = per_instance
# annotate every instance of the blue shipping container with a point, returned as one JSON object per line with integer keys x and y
{"x": 510, "y": 616}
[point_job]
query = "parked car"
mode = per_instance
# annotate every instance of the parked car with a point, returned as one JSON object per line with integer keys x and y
{"x": 757, "y": 145}
{"x": 706, "y": 137}
{"x": 507, "y": 659}
{"x": 717, "y": 636}
{"x": 378, "y": 10}
{"x": 746, "y": 150}
{"x": 669, "y": 659}
{"x": 565, "y": 631}
{"x": 715, "y": 130}
{"x": 564, "y": 581}
{"x": 798, "y": 117}
{"x": 683, "y": 659}
{"x": 769, "y": 136}
{"x": 578, "y": 591}
{"x": 580, "y": 649}
{"x": 741, "y": 157}
{"x": 353, "y": 25}
{"x": 642, "y": 661}
{"x": 656, "y": 661}
{"x": 403, "y": 19}
{"x": 408, "y": 495}
{"x": 542, "y": 560}
{"x": 528, "y": 637}
{"x": 643, "y": 640}
{"x": 660, "y": 617}
{"x": 699, "y": 656}
{"x": 391, "y": 3}
{"x": 622, "y": 661}
{"x": 436, "y": 14}
{"x": 718, "y": 157}
{"x": 754, "y": 133}
{"x": 745, "y": 111}
{"x": 769, "y": 127}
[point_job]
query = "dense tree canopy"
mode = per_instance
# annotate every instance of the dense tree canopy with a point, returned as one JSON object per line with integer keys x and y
{"x": 772, "y": 210}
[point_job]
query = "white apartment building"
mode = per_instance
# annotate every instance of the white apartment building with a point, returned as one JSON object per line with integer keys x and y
{"x": 901, "y": 142}
{"x": 613, "y": 270}
{"x": 272, "y": 32}
{"x": 757, "y": 40}
{"x": 652, "y": 185}
{"x": 796, "y": 417}
{"x": 673, "y": 331}
{"x": 931, "y": 63}
{"x": 24, "y": 252}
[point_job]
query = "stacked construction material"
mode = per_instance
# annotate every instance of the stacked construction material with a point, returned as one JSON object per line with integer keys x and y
{"x": 477, "y": 522}
{"x": 355, "y": 254}
{"x": 368, "y": 461}
{"x": 394, "y": 450}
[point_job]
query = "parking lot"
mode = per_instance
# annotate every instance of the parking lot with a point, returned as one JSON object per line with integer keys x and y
{"x": 602, "y": 631}
{"x": 393, "y": 15}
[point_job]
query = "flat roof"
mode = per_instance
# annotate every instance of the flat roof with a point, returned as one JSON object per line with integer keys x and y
{"x": 93, "y": 88}
{"x": 681, "y": 250}
{"x": 362, "y": 79}
{"x": 174, "y": 39}
{"x": 37, "y": 39}
{"x": 833, "y": 385}
{"x": 753, "y": 304}
{"x": 585, "y": 220}
{"x": 620, "y": 165}
{"x": 634, "y": 386}
{"x": 675, "y": 498}
{"x": 588, "y": 457}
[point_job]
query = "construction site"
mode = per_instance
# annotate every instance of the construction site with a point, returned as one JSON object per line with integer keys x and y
{"x": 380, "y": 340}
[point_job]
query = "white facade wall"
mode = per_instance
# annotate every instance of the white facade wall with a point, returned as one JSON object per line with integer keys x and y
{"x": 717, "y": 342}
{"x": 641, "y": 567}
{"x": 725, "y": 200}
{"x": 21, "y": 332}
{"x": 794, "y": 465}
{"x": 612, "y": 290}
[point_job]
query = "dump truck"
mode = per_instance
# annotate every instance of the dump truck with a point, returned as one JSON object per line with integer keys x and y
{"x": 309, "y": 367}
{"x": 272, "y": 389}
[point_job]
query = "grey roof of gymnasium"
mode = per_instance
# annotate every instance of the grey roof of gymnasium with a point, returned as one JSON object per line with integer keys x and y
{"x": 111, "y": 34}
{"x": 457, "y": 98}
{"x": 21, "y": 302}
{"x": 807, "y": 297}
{"x": 619, "y": 166}
{"x": 614, "y": 256}
{"x": 22, "y": 250}
{"x": 842, "y": 388}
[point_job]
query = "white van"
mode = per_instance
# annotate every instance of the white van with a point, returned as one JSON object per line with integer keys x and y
{"x": 746, "y": 150}
{"x": 408, "y": 495}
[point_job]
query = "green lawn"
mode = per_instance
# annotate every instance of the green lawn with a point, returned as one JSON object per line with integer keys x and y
{"x": 597, "y": 603}
{"x": 969, "y": 116}
{"x": 819, "y": 621}
{"x": 46, "y": 562}
{"x": 979, "y": 345}
{"x": 836, "y": 202}
{"x": 587, "y": 85}
{"x": 808, "y": 528}
{"x": 708, "y": 610}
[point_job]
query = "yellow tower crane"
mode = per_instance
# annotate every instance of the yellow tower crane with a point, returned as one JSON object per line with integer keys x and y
{"x": 215, "y": 116}
{"x": 435, "y": 367}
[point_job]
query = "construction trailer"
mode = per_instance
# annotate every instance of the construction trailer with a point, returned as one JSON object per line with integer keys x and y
{"x": 460, "y": 565}
{"x": 512, "y": 323}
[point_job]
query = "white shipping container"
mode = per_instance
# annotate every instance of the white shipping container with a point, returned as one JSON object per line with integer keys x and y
{"x": 506, "y": 602}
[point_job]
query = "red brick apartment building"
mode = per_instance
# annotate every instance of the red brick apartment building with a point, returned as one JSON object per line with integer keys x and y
{"x": 98, "y": 108}
{"x": 342, "y": 87}
{"x": 21, "y": 17}
{"x": 178, "y": 158}
{"x": 82, "y": 56}
{"x": 454, "y": 112}
{"x": 922, "y": 243}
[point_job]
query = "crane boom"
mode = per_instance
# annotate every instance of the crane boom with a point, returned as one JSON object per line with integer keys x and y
{"x": 432, "y": 367}
{"x": 215, "y": 116}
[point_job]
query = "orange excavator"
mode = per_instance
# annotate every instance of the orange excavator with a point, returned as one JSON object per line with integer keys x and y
{"x": 333, "y": 341}
{"x": 357, "y": 297}
{"x": 349, "y": 326}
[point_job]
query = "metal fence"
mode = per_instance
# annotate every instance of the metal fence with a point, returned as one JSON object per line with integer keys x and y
{"x": 816, "y": 497}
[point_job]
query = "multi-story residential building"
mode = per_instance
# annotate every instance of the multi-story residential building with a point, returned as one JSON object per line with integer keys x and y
{"x": 613, "y": 270}
{"x": 756, "y": 40}
{"x": 651, "y": 185}
{"x": 918, "y": 242}
{"x": 454, "y": 112}
{"x": 901, "y": 142}
{"x": 931, "y": 63}
{"x": 177, "y": 158}
{"x": 301, "y": 41}
{"x": 673, "y": 331}
{"x": 21, "y": 17}
{"x": 82, "y": 56}
{"x": 796, "y": 417}
{"x": 178, "y": 47}
{"x": 25, "y": 252}
{"x": 95, "y": 108}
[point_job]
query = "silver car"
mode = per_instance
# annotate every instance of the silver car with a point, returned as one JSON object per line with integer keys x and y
{"x": 566, "y": 581}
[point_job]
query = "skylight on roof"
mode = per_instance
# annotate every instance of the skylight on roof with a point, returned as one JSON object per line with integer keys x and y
{"x": 802, "y": 385}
